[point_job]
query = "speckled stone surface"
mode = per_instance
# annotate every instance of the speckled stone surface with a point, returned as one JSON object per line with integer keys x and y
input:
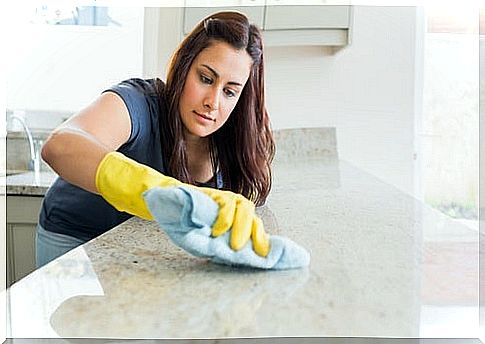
{"x": 305, "y": 143}
{"x": 29, "y": 183}
{"x": 381, "y": 266}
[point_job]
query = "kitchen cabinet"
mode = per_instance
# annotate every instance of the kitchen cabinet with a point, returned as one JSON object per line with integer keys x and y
{"x": 313, "y": 24}
{"x": 22, "y": 217}
{"x": 308, "y": 25}
{"x": 306, "y": 17}
{"x": 287, "y": 25}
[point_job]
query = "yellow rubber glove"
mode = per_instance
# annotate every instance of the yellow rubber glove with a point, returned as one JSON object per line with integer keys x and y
{"x": 121, "y": 181}
{"x": 237, "y": 212}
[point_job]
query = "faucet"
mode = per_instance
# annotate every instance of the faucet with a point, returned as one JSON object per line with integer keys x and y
{"x": 34, "y": 163}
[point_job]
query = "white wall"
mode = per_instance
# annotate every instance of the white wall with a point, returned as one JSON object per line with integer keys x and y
{"x": 366, "y": 91}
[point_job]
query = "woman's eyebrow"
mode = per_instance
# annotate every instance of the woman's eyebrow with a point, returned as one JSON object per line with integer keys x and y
{"x": 217, "y": 75}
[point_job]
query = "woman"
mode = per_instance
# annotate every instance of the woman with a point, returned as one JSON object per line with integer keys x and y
{"x": 207, "y": 126}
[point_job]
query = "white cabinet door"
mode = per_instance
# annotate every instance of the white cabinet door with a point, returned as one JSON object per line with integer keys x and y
{"x": 22, "y": 217}
{"x": 306, "y": 17}
{"x": 9, "y": 252}
{"x": 22, "y": 246}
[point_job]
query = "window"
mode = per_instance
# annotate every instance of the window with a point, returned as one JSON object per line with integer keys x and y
{"x": 63, "y": 57}
{"x": 450, "y": 111}
{"x": 73, "y": 15}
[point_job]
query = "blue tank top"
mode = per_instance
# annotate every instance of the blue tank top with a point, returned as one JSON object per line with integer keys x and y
{"x": 68, "y": 209}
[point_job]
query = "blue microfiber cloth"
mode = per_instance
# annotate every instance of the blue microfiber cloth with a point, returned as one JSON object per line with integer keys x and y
{"x": 187, "y": 215}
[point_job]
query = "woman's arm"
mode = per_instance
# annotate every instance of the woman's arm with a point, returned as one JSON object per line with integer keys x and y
{"x": 75, "y": 149}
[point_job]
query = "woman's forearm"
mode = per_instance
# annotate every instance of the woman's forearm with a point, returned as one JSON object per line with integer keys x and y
{"x": 74, "y": 155}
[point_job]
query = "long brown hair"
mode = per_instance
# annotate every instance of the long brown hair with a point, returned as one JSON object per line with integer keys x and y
{"x": 243, "y": 148}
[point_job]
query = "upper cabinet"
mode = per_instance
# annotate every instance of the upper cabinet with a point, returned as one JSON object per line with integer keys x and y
{"x": 290, "y": 25}
{"x": 306, "y": 17}
{"x": 283, "y": 25}
{"x": 307, "y": 25}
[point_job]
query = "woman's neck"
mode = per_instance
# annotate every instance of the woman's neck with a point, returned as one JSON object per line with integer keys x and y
{"x": 198, "y": 158}
{"x": 196, "y": 145}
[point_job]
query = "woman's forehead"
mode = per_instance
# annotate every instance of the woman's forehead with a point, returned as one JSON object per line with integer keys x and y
{"x": 229, "y": 63}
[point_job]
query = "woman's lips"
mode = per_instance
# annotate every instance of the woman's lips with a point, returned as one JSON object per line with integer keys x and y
{"x": 205, "y": 117}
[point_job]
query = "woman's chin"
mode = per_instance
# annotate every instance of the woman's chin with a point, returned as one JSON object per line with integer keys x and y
{"x": 199, "y": 132}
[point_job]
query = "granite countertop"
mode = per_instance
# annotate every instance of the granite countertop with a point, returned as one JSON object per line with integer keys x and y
{"x": 382, "y": 264}
{"x": 29, "y": 183}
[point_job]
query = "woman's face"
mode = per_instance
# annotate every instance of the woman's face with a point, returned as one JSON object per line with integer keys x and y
{"x": 214, "y": 83}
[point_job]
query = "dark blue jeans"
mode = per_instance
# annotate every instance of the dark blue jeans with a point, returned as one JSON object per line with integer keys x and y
{"x": 50, "y": 245}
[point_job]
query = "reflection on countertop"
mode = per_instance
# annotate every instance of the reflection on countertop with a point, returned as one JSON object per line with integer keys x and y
{"x": 375, "y": 271}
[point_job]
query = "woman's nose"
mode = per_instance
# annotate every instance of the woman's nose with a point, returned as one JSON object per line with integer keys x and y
{"x": 211, "y": 101}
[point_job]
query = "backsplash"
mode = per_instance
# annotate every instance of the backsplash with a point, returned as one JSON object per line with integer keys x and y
{"x": 18, "y": 151}
{"x": 291, "y": 144}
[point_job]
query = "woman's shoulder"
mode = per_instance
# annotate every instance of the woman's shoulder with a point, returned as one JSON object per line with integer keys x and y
{"x": 142, "y": 91}
{"x": 150, "y": 87}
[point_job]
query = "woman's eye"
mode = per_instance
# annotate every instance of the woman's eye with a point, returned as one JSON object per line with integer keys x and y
{"x": 205, "y": 79}
{"x": 230, "y": 93}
